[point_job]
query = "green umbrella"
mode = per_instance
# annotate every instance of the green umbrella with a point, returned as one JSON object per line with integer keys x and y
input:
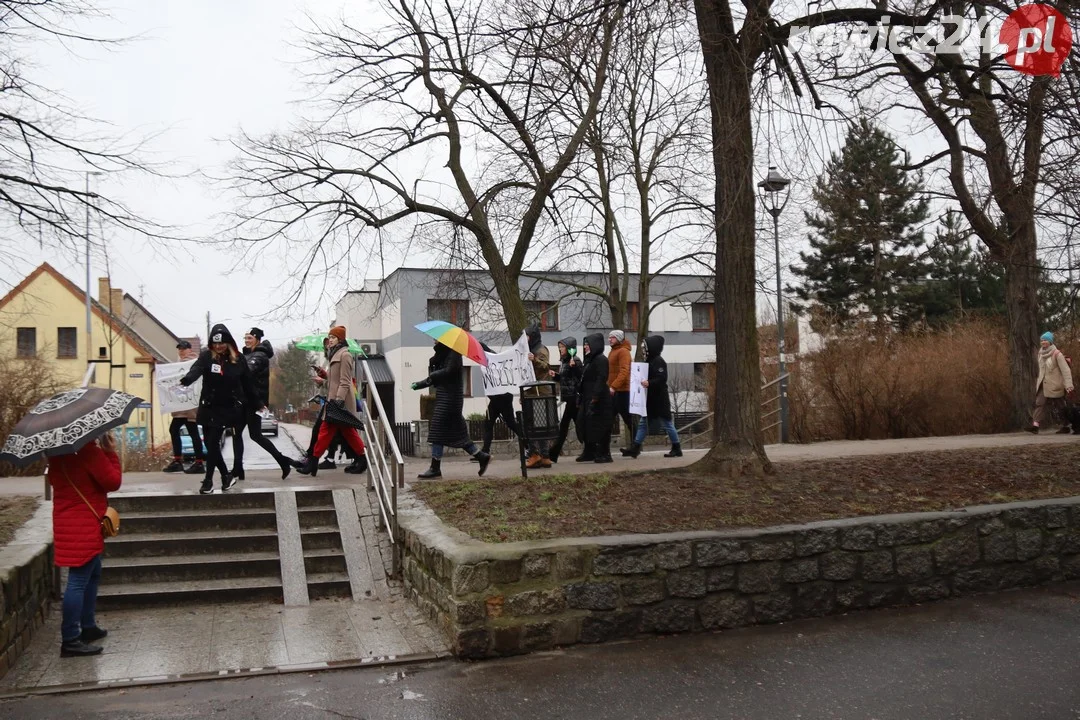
{"x": 314, "y": 343}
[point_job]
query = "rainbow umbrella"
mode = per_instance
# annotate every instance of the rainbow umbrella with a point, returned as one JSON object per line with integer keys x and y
{"x": 454, "y": 338}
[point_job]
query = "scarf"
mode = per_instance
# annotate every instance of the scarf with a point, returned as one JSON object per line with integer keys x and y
{"x": 1046, "y": 356}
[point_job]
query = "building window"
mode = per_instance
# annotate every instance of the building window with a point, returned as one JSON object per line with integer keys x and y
{"x": 704, "y": 317}
{"x": 102, "y": 352}
{"x": 543, "y": 312}
{"x": 26, "y": 342}
{"x": 67, "y": 343}
{"x": 455, "y": 312}
{"x": 633, "y": 317}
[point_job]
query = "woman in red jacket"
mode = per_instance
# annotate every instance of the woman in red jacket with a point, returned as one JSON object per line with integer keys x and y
{"x": 94, "y": 472}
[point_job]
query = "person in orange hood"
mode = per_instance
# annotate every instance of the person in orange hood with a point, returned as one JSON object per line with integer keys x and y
{"x": 619, "y": 380}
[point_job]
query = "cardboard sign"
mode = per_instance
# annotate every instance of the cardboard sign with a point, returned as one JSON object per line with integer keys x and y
{"x": 508, "y": 371}
{"x": 638, "y": 395}
{"x": 174, "y": 396}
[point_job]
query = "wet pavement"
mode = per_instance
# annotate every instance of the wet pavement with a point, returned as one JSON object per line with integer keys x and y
{"x": 1009, "y": 656}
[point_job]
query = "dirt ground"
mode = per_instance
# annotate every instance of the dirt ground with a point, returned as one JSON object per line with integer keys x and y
{"x": 803, "y": 491}
{"x": 14, "y": 511}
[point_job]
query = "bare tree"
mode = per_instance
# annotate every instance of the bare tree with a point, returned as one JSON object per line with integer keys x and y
{"x": 448, "y": 117}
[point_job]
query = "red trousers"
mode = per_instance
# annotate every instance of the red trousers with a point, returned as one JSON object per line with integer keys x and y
{"x": 326, "y": 433}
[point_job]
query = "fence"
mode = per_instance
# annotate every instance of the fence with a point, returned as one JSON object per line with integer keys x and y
{"x": 407, "y": 435}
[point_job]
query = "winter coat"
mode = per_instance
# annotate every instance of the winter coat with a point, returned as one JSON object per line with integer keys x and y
{"x": 76, "y": 529}
{"x": 541, "y": 363}
{"x": 447, "y": 427}
{"x": 258, "y": 362}
{"x": 228, "y": 395}
{"x": 594, "y": 411}
{"x": 1055, "y": 376}
{"x": 569, "y": 374}
{"x": 619, "y": 367}
{"x": 191, "y": 414}
{"x": 657, "y": 400}
{"x": 340, "y": 397}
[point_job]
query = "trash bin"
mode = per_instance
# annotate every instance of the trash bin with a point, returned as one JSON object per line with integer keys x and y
{"x": 539, "y": 411}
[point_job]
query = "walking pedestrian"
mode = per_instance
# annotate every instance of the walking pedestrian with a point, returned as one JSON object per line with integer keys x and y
{"x": 1054, "y": 383}
{"x": 186, "y": 419}
{"x": 569, "y": 378}
{"x": 619, "y": 381}
{"x": 541, "y": 362}
{"x": 338, "y": 415}
{"x": 499, "y": 406}
{"x": 447, "y": 426}
{"x": 594, "y": 413}
{"x": 81, "y": 484}
{"x": 227, "y": 393}
{"x": 657, "y": 400}
{"x": 257, "y": 354}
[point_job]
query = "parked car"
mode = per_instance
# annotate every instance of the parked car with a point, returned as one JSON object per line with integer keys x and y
{"x": 185, "y": 442}
{"x": 270, "y": 425}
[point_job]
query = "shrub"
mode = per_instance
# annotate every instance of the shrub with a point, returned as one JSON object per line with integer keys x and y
{"x": 23, "y": 384}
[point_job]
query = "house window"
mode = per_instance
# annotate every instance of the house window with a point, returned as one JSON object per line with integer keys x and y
{"x": 67, "y": 343}
{"x": 704, "y": 317}
{"x": 633, "y": 316}
{"x": 455, "y": 312}
{"x": 543, "y": 312}
{"x": 26, "y": 342}
{"x": 102, "y": 352}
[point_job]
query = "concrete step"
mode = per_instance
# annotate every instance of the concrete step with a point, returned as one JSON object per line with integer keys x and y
{"x": 192, "y": 543}
{"x": 312, "y": 498}
{"x": 175, "y": 521}
{"x": 328, "y": 585}
{"x": 317, "y": 515}
{"x": 162, "y": 502}
{"x": 130, "y": 595}
{"x": 320, "y": 562}
{"x": 188, "y": 568}
{"x": 320, "y": 538}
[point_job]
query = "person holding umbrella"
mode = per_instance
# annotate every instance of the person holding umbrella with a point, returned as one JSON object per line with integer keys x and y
{"x": 569, "y": 378}
{"x": 227, "y": 394}
{"x": 447, "y": 426}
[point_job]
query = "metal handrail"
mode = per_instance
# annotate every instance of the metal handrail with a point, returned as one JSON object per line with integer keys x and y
{"x": 386, "y": 467}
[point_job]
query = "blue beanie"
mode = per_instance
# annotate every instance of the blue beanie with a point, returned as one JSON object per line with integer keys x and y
{"x": 1048, "y": 337}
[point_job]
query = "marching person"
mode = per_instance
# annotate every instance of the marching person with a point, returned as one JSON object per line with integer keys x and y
{"x": 337, "y": 414}
{"x": 594, "y": 412}
{"x": 541, "y": 362}
{"x": 499, "y": 406}
{"x": 569, "y": 378}
{"x": 447, "y": 426}
{"x": 81, "y": 484}
{"x": 619, "y": 380}
{"x": 257, "y": 354}
{"x": 186, "y": 418}
{"x": 1054, "y": 384}
{"x": 657, "y": 401}
{"x": 320, "y": 399}
{"x": 227, "y": 395}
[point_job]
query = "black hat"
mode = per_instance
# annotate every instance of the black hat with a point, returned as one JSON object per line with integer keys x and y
{"x": 256, "y": 333}
{"x": 183, "y": 345}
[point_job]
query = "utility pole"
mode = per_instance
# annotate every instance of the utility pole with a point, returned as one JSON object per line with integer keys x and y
{"x": 208, "y": 328}
{"x": 89, "y": 327}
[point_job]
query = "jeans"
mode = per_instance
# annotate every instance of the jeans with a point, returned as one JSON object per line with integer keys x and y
{"x": 666, "y": 424}
{"x": 193, "y": 433}
{"x": 437, "y": 450}
{"x": 80, "y": 599}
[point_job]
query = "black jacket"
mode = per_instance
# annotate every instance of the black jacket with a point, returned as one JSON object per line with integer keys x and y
{"x": 594, "y": 393}
{"x": 258, "y": 362}
{"x": 227, "y": 392}
{"x": 569, "y": 373}
{"x": 657, "y": 402}
{"x": 447, "y": 426}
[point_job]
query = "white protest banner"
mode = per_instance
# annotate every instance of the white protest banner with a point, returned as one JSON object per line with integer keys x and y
{"x": 507, "y": 371}
{"x": 174, "y": 396}
{"x": 638, "y": 394}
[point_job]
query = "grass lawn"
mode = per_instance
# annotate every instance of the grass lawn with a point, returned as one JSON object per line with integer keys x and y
{"x": 552, "y": 505}
{"x": 14, "y": 511}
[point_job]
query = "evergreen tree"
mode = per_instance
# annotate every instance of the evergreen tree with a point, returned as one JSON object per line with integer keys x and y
{"x": 291, "y": 382}
{"x": 866, "y": 245}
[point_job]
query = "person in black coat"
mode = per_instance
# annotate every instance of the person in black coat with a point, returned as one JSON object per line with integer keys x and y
{"x": 227, "y": 394}
{"x": 569, "y": 377}
{"x": 657, "y": 401}
{"x": 257, "y": 354}
{"x": 447, "y": 426}
{"x": 594, "y": 410}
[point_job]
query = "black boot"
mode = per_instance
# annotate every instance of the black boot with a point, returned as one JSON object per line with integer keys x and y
{"x": 237, "y": 472}
{"x": 197, "y": 468}
{"x": 359, "y": 466}
{"x": 435, "y": 471}
{"x": 328, "y": 464}
{"x": 633, "y": 451}
{"x": 286, "y": 467}
{"x": 555, "y": 452}
{"x": 676, "y": 450}
{"x": 308, "y": 467}
{"x": 174, "y": 467}
{"x": 484, "y": 459}
{"x": 77, "y": 648}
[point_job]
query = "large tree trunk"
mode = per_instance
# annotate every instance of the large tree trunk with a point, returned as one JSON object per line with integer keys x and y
{"x": 738, "y": 447}
{"x": 1021, "y": 312}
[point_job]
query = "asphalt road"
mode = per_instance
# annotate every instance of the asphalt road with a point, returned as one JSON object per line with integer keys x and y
{"x": 996, "y": 657}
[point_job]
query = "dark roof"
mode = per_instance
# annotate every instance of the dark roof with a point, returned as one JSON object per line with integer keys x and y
{"x": 380, "y": 370}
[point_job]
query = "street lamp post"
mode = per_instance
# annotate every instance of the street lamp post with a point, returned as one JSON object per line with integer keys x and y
{"x": 774, "y": 196}
{"x": 89, "y": 327}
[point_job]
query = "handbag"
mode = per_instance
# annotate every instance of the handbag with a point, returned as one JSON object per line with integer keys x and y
{"x": 110, "y": 521}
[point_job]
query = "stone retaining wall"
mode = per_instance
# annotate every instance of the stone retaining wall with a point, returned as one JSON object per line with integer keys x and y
{"x": 504, "y": 599}
{"x": 27, "y": 583}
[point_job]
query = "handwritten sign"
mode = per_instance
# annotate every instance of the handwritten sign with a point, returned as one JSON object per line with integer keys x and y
{"x": 507, "y": 371}
{"x": 174, "y": 396}
{"x": 638, "y": 395}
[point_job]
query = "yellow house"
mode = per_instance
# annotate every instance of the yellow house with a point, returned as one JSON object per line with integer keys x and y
{"x": 45, "y": 316}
